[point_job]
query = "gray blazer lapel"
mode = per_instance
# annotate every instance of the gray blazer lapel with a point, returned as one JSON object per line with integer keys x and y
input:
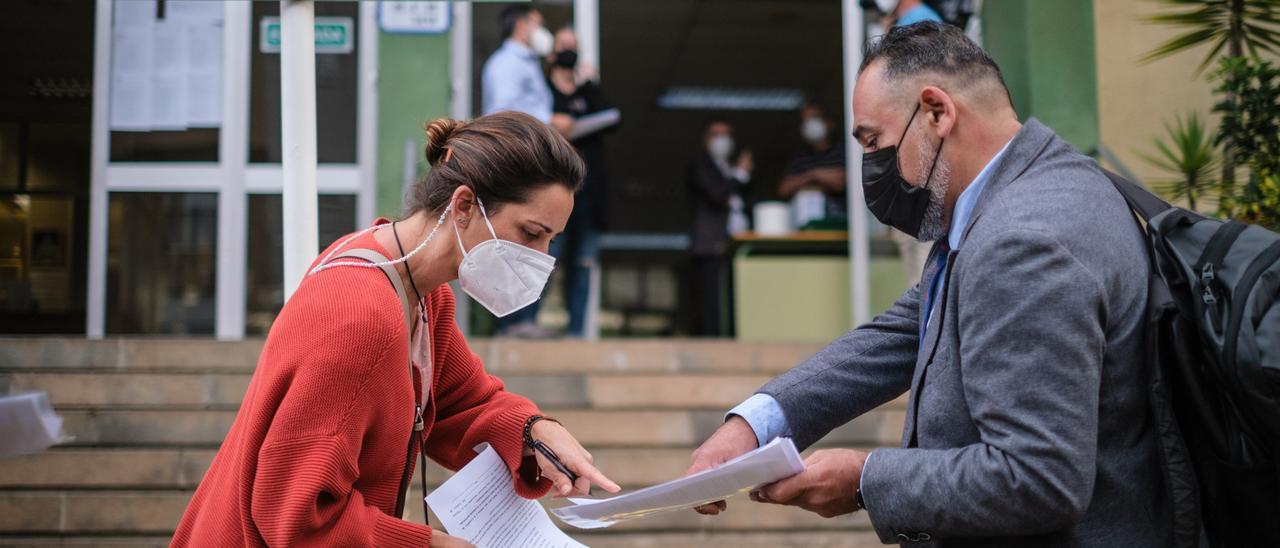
{"x": 930, "y": 339}
{"x": 934, "y": 328}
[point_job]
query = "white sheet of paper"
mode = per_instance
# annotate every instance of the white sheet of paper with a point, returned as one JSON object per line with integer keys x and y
{"x": 131, "y": 51}
{"x": 480, "y": 505}
{"x": 776, "y": 460}
{"x": 203, "y": 21}
{"x": 594, "y": 122}
{"x": 169, "y": 75}
{"x": 27, "y": 424}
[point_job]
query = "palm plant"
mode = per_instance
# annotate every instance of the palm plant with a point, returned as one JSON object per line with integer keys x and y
{"x": 1235, "y": 25}
{"x": 1190, "y": 154}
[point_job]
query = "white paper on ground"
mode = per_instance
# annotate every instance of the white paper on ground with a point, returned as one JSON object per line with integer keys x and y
{"x": 594, "y": 122}
{"x": 776, "y": 460}
{"x": 480, "y": 505}
{"x": 28, "y": 424}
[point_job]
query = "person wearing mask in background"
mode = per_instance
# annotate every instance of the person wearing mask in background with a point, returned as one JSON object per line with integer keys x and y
{"x": 901, "y": 13}
{"x": 362, "y": 375}
{"x": 905, "y": 12}
{"x": 575, "y": 93}
{"x": 820, "y": 166}
{"x": 717, "y": 191}
{"x": 512, "y": 79}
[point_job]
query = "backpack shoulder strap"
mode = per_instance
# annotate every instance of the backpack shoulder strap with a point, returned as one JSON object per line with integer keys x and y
{"x": 393, "y": 275}
{"x": 1141, "y": 200}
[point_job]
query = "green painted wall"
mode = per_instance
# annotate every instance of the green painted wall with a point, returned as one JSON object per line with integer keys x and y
{"x": 413, "y": 89}
{"x": 1046, "y": 51}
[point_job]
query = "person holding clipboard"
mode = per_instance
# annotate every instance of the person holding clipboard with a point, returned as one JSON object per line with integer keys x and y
{"x": 582, "y": 114}
{"x": 365, "y": 369}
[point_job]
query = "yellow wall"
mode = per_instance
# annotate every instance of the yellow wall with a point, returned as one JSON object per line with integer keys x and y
{"x": 1135, "y": 99}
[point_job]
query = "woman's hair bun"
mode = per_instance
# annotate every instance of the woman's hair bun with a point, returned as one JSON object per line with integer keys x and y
{"x": 439, "y": 132}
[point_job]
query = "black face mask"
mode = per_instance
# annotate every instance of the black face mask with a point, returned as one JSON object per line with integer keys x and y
{"x": 567, "y": 58}
{"x": 893, "y": 200}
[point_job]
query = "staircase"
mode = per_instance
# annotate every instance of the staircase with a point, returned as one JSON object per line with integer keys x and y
{"x": 148, "y": 415}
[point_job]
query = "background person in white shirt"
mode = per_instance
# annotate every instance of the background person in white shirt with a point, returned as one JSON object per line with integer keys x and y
{"x": 512, "y": 78}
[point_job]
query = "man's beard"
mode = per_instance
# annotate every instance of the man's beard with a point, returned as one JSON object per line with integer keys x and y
{"x": 932, "y": 227}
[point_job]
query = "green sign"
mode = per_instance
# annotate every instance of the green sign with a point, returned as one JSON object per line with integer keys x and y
{"x": 333, "y": 35}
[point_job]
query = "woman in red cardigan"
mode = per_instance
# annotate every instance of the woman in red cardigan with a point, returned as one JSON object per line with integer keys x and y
{"x": 346, "y": 393}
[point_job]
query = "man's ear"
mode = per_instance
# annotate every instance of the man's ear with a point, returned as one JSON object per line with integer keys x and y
{"x": 939, "y": 110}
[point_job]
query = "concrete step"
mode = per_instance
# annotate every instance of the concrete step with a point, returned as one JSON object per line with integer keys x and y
{"x": 783, "y": 539}
{"x": 181, "y": 469}
{"x": 501, "y": 356}
{"x": 594, "y": 428}
{"x": 158, "y": 512}
{"x": 111, "y": 389}
{"x": 225, "y": 390}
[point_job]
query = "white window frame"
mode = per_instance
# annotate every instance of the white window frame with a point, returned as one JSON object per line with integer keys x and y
{"x": 232, "y": 177}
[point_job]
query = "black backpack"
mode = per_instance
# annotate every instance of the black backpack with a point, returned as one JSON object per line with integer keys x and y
{"x": 1213, "y": 345}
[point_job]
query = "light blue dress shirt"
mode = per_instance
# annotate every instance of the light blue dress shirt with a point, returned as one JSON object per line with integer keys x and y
{"x": 917, "y": 14}
{"x": 765, "y": 415}
{"x": 512, "y": 79}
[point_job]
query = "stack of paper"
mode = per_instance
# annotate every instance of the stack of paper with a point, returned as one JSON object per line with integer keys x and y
{"x": 774, "y": 461}
{"x": 480, "y": 505}
{"x": 27, "y": 424}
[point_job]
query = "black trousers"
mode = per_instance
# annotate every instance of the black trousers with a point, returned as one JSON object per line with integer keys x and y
{"x": 711, "y": 288}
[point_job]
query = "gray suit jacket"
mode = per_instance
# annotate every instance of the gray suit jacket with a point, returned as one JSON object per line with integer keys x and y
{"x": 1027, "y": 423}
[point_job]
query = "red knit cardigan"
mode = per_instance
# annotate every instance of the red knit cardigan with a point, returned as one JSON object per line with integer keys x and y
{"x": 317, "y": 453}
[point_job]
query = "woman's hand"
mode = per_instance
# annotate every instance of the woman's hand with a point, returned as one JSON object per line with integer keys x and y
{"x": 573, "y": 457}
{"x": 441, "y": 540}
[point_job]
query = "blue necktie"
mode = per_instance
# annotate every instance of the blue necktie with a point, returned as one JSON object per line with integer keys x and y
{"x": 941, "y": 252}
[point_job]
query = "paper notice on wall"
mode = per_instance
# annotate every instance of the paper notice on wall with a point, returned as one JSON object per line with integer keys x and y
{"x": 131, "y": 36}
{"x": 204, "y": 76}
{"x": 169, "y": 76}
{"x": 203, "y": 22}
{"x": 166, "y": 73}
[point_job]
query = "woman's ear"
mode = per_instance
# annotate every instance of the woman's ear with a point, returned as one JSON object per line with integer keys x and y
{"x": 464, "y": 205}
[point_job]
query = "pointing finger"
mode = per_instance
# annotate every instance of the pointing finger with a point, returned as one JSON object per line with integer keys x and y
{"x": 588, "y": 471}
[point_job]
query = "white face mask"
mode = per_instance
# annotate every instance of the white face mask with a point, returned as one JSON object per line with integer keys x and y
{"x": 500, "y": 275}
{"x": 720, "y": 147}
{"x": 541, "y": 41}
{"x": 814, "y": 130}
{"x": 886, "y": 6}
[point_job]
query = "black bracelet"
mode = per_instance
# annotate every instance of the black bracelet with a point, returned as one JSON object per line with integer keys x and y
{"x": 528, "y": 428}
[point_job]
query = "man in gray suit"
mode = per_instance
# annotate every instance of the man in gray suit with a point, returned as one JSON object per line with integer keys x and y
{"x": 1022, "y": 345}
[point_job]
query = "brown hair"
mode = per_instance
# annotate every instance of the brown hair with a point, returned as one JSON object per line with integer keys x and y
{"x": 502, "y": 157}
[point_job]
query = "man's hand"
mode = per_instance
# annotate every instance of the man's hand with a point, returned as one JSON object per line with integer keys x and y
{"x": 733, "y": 438}
{"x": 562, "y": 123}
{"x": 441, "y": 540}
{"x": 573, "y": 456}
{"x": 745, "y": 161}
{"x": 827, "y": 486}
